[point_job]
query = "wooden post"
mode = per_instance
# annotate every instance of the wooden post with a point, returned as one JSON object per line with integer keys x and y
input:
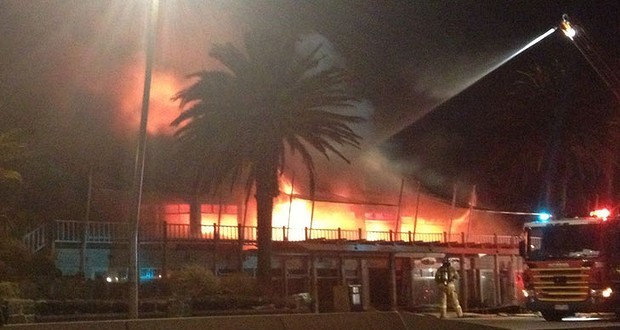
{"x": 240, "y": 234}
{"x": 52, "y": 233}
{"x": 453, "y": 206}
{"x": 411, "y": 282}
{"x": 89, "y": 195}
{"x": 216, "y": 236}
{"x": 400, "y": 201}
{"x": 497, "y": 299}
{"x": 475, "y": 281}
{"x": 417, "y": 207}
{"x": 393, "y": 294}
{"x": 240, "y": 242}
{"x": 314, "y": 284}
{"x": 343, "y": 271}
{"x": 472, "y": 204}
{"x": 164, "y": 257}
{"x": 311, "y": 217}
{"x": 464, "y": 284}
{"x": 83, "y": 241}
{"x": 290, "y": 203}
{"x": 365, "y": 280}
{"x": 219, "y": 211}
{"x": 285, "y": 275}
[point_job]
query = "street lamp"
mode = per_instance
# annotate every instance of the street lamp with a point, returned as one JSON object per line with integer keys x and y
{"x": 138, "y": 174}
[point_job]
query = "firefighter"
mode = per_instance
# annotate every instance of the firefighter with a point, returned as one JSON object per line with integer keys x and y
{"x": 445, "y": 277}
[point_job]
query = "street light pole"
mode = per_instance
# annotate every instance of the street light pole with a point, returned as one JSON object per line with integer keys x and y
{"x": 138, "y": 174}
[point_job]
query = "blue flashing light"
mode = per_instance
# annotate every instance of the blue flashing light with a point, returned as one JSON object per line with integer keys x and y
{"x": 544, "y": 216}
{"x": 149, "y": 274}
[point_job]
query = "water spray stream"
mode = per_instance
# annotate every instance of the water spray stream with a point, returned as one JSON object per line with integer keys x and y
{"x": 515, "y": 54}
{"x": 414, "y": 117}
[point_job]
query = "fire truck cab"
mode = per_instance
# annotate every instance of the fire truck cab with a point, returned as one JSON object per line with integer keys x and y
{"x": 572, "y": 266}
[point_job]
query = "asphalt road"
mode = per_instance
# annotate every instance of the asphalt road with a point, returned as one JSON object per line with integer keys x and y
{"x": 535, "y": 322}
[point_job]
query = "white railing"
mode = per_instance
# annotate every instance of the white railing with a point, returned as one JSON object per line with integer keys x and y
{"x": 36, "y": 239}
{"x": 110, "y": 232}
{"x": 106, "y": 232}
{"x": 71, "y": 231}
{"x": 67, "y": 231}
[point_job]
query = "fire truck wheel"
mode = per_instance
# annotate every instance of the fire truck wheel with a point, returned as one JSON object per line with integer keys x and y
{"x": 553, "y": 316}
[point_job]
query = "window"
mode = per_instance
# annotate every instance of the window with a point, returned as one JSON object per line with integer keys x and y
{"x": 176, "y": 214}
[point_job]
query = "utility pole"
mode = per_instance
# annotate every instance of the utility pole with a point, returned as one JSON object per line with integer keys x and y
{"x": 138, "y": 175}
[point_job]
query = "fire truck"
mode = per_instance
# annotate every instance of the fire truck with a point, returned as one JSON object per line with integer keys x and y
{"x": 572, "y": 266}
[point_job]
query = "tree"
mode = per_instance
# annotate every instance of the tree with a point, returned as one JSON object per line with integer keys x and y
{"x": 270, "y": 102}
{"x": 12, "y": 148}
{"x": 550, "y": 140}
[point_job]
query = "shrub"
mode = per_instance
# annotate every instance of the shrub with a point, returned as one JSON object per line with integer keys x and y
{"x": 218, "y": 302}
{"x": 36, "y": 273}
{"x": 157, "y": 288}
{"x": 193, "y": 281}
{"x": 79, "y": 306}
{"x": 239, "y": 284}
{"x": 69, "y": 287}
{"x": 15, "y": 258}
{"x": 9, "y": 290}
{"x": 43, "y": 266}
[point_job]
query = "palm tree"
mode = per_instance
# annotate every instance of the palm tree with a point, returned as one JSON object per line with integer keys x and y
{"x": 269, "y": 102}
{"x": 551, "y": 141}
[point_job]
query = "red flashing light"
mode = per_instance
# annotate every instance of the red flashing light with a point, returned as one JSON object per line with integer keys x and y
{"x": 603, "y": 213}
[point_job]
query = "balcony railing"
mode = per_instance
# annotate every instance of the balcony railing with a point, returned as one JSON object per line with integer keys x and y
{"x": 118, "y": 232}
{"x": 36, "y": 239}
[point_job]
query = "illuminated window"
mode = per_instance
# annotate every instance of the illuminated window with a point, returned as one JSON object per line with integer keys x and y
{"x": 227, "y": 219}
{"x": 379, "y": 216}
{"x": 177, "y": 214}
{"x": 378, "y": 227}
{"x": 215, "y": 209}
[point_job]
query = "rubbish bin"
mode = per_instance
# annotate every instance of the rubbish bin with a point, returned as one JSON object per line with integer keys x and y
{"x": 355, "y": 297}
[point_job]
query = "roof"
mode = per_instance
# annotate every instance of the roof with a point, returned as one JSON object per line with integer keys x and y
{"x": 570, "y": 222}
{"x": 370, "y": 249}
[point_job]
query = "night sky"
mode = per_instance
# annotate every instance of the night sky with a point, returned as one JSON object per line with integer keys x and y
{"x": 71, "y": 75}
{"x": 496, "y": 133}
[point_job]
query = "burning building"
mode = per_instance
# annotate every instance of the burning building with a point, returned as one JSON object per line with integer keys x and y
{"x": 388, "y": 242}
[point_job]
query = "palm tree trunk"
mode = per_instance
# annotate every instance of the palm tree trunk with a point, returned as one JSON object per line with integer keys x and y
{"x": 264, "y": 211}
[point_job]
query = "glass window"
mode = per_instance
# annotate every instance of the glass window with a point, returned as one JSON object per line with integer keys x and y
{"x": 566, "y": 241}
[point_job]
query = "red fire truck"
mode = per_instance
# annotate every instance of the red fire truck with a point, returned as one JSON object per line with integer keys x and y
{"x": 573, "y": 265}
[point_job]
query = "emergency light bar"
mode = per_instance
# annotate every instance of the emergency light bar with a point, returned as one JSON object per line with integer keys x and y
{"x": 603, "y": 213}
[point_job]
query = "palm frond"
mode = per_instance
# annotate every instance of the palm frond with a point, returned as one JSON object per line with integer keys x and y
{"x": 12, "y": 146}
{"x": 237, "y": 124}
{"x": 10, "y": 175}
